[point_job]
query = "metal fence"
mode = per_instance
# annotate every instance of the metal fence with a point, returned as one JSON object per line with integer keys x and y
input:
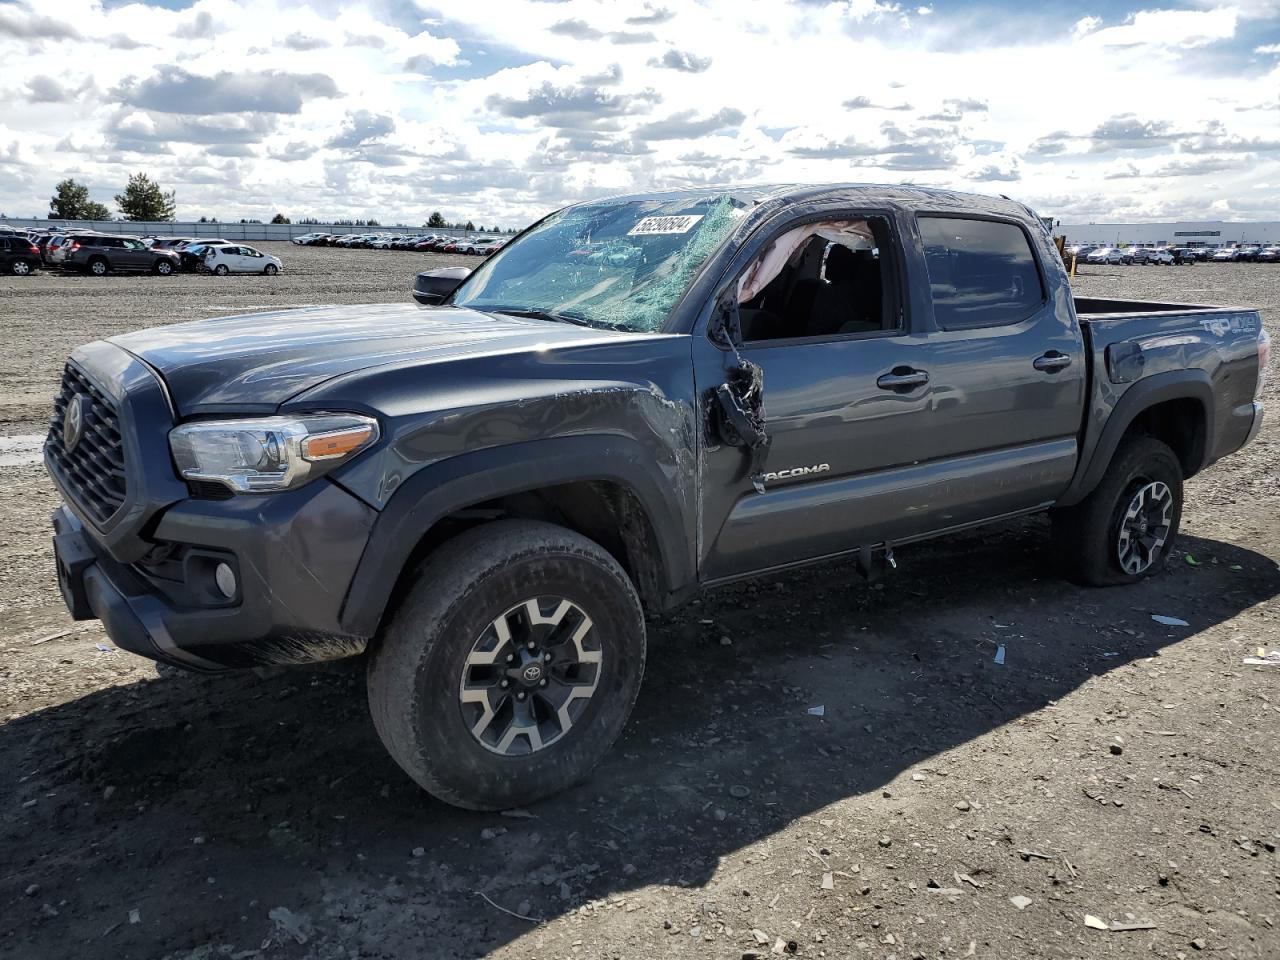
{"x": 225, "y": 231}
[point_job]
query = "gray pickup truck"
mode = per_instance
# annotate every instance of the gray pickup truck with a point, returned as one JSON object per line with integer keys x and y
{"x": 635, "y": 399}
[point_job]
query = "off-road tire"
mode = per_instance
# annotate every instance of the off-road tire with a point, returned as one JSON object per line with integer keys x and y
{"x": 416, "y": 666}
{"x": 1086, "y": 536}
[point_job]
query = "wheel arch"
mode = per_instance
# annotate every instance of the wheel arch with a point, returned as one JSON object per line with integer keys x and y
{"x": 1176, "y": 408}
{"x": 602, "y": 487}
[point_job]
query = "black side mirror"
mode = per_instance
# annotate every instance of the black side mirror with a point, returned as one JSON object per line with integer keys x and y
{"x": 433, "y": 286}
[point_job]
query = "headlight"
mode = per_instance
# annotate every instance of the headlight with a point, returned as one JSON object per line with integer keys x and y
{"x": 266, "y": 454}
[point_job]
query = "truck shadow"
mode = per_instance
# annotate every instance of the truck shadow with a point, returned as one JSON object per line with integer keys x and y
{"x": 232, "y": 796}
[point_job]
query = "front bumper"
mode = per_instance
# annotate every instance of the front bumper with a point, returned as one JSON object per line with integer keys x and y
{"x": 294, "y": 555}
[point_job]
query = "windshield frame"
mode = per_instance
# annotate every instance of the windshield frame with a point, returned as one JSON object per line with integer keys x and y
{"x": 678, "y": 319}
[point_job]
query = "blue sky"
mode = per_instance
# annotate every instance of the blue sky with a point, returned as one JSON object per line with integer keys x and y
{"x": 503, "y": 109}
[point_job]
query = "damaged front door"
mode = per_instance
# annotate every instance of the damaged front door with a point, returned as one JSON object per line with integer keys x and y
{"x": 788, "y": 373}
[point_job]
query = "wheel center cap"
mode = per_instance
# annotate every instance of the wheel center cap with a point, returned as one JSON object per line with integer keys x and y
{"x": 532, "y": 673}
{"x": 1142, "y": 525}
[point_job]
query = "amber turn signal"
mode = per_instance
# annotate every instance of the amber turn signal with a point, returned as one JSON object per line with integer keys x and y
{"x": 340, "y": 443}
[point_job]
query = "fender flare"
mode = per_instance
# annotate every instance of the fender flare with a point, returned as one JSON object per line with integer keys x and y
{"x": 453, "y": 484}
{"x": 1142, "y": 396}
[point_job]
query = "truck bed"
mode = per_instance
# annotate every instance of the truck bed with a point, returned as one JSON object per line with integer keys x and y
{"x": 1149, "y": 348}
{"x": 1103, "y": 308}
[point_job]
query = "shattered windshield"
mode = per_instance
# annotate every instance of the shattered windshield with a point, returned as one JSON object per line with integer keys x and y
{"x": 620, "y": 264}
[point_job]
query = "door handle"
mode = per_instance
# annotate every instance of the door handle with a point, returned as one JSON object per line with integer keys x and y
{"x": 902, "y": 378}
{"x": 1052, "y": 362}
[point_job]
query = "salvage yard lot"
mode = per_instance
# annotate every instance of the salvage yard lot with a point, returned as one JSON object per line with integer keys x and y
{"x": 1110, "y": 766}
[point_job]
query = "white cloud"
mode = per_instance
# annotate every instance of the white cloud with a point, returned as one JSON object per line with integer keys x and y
{"x": 504, "y": 109}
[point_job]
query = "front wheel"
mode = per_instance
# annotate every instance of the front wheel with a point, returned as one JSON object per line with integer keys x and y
{"x": 511, "y": 666}
{"x": 271, "y": 270}
{"x": 1125, "y": 529}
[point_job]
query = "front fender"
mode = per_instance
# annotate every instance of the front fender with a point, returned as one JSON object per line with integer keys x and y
{"x": 450, "y": 485}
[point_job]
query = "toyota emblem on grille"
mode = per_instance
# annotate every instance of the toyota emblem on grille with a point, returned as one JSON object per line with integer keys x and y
{"x": 73, "y": 422}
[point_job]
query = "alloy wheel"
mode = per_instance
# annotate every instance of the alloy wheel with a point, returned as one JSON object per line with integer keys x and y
{"x": 1144, "y": 527}
{"x": 529, "y": 676}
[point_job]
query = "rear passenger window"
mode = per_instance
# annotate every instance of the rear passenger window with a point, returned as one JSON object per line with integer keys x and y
{"x": 981, "y": 273}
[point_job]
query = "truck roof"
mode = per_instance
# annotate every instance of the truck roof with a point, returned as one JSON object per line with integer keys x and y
{"x": 901, "y": 195}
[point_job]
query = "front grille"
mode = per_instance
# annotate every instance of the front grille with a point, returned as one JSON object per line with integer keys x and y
{"x": 93, "y": 470}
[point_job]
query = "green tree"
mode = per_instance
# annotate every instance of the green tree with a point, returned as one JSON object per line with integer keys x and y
{"x": 469, "y": 227}
{"x": 144, "y": 200}
{"x": 280, "y": 218}
{"x": 70, "y": 201}
{"x": 436, "y": 219}
{"x": 93, "y": 210}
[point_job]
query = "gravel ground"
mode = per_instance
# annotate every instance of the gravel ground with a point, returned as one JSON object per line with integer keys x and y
{"x": 943, "y": 805}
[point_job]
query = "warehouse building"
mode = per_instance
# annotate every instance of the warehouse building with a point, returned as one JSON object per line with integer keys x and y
{"x": 1191, "y": 233}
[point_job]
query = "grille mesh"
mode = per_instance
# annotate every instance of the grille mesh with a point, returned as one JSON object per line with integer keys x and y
{"x": 93, "y": 471}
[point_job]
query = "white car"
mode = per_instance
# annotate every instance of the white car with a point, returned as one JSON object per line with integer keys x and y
{"x": 482, "y": 246}
{"x": 240, "y": 259}
{"x": 1105, "y": 255}
{"x": 307, "y": 238}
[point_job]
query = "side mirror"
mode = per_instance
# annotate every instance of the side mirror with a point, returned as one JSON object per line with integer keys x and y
{"x": 432, "y": 286}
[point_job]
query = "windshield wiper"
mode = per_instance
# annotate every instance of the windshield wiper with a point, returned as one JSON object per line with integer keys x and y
{"x": 541, "y": 315}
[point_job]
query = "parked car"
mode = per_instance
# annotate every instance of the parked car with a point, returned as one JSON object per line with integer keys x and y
{"x": 42, "y": 244}
{"x": 480, "y": 247}
{"x": 1226, "y": 255}
{"x": 169, "y": 243}
{"x": 18, "y": 255}
{"x": 1108, "y": 255}
{"x": 1184, "y": 255}
{"x": 191, "y": 255}
{"x": 1269, "y": 255}
{"x": 354, "y": 479}
{"x": 100, "y": 254}
{"x": 231, "y": 258}
{"x": 1160, "y": 256}
{"x": 307, "y": 238}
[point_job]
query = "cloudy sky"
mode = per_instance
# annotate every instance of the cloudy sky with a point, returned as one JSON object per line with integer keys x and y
{"x": 499, "y": 110}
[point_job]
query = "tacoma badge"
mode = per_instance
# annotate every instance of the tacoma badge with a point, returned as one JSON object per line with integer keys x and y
{"x": 792, "y": 472}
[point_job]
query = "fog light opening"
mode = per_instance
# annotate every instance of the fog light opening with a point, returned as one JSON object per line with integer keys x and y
{"x": 225, "y": 578}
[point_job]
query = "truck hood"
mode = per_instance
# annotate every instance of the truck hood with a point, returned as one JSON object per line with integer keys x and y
{"x": 253, "y": 363}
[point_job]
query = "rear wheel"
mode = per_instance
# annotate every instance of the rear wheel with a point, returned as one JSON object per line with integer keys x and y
{"x": 163, "y": 267}
{"x": 1125, "y": 529}
{"x": 511, "y": 666}
{"x": 221, "y": 270}
{"x": 98, "y": 267}
{"x": 20, "y": 268}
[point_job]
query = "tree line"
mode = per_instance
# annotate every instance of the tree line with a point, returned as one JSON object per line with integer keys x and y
{"x": 143, "y": 199}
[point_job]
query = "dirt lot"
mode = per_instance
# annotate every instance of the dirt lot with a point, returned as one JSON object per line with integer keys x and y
{"x": 1109, "y": 767}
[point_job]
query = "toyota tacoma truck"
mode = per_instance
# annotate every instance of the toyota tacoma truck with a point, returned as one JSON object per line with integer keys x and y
{"x": 635, "y": 399}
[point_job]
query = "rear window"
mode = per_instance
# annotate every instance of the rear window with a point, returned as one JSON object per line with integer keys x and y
{"x": 981, "y": 273}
